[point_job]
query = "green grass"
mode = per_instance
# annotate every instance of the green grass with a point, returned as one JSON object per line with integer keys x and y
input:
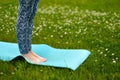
{"x": 76, "y": 24}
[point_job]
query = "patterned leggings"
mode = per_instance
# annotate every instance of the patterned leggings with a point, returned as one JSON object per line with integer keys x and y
{"x": 24, "y": 24}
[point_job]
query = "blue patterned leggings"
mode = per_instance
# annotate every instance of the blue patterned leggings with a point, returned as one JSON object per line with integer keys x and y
{"x": 24, "y": 24}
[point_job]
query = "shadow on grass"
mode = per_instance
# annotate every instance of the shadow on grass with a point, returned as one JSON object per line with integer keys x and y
{"x": 18, "y": 58}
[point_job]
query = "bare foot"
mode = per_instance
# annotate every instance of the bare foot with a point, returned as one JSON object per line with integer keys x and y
{"x": 33, "y": 58}
{"x": 38, "y": 57}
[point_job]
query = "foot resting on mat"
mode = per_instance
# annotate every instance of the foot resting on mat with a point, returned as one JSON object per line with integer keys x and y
{"x": 33, "y": 57}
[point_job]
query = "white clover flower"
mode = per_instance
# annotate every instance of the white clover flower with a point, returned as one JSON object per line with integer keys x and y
{"x": 51, "y": 36}
{"x": 70, "y": 32}
{"x": 49, "y": 27}
{"x": 96, "y": 60}
{"x": 113, "y": 54}
{"x": 98, "y": 50}
{"x": 105, "y": 55}
{"x": 78, "y": 41}
{"x": 1, "y": 72}
{"x": 116, "y": 58}
{"x": 95, "y": 21}
{"x": 12, "y": 73}
{"x": 65, "y": 32}
{"x": 101, "y": 52}
{"x": 6, "y": 16}
{"x": 66, "y": 42}
{"x": 106, "y": 49}
{"x": 3, "y": 25}
{"x": 114, "y": 61}
{"x": 58, "y": 42}
{"x": 45, "y": 38}
{"x": 54, "y": 30}
{"x": 76, "y": 35}
{"x": 45, "y": 25}
{"x": 61, "y": 36}
{"x": 36, "y": 34}
{"x": 8, "y": 31}
{"x": 41, "y": 70}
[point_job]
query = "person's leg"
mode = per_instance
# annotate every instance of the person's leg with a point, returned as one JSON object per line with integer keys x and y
{"x": 34, "y": 6}
{"x": 31, "y": 22}
{"x": 22, "y": 26}
{"x": 23, "y": 29}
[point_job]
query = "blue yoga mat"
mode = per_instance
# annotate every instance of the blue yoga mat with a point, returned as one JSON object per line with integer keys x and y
{"x": 65, "y": 58}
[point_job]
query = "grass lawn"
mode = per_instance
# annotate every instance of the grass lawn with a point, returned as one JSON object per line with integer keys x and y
{"x": 76, "y": 24}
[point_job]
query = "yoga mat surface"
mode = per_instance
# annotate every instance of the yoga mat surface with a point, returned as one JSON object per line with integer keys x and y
{"x": 65, "y": 58}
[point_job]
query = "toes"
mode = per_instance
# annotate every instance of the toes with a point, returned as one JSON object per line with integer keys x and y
{"x": 43, "y": 60}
